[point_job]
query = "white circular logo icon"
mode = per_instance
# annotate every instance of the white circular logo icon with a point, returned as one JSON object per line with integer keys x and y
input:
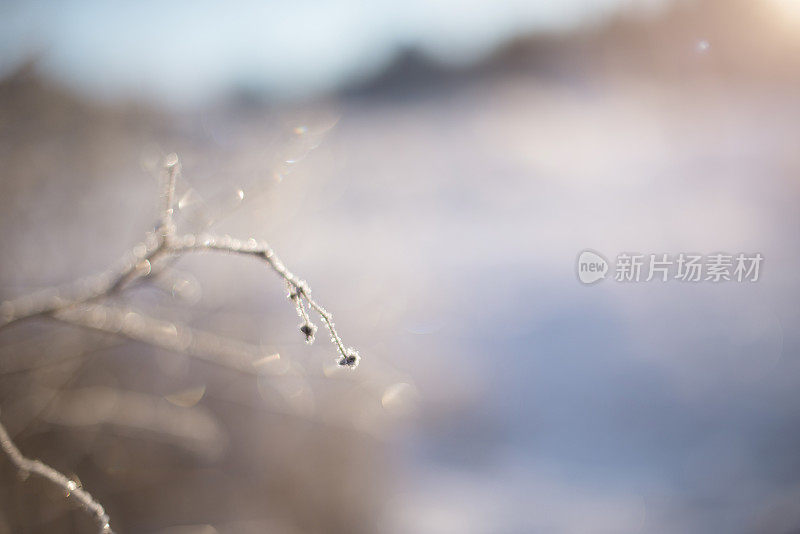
{"x": 591, "y": 267}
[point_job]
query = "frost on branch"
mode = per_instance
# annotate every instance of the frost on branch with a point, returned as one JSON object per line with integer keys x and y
{"x": 81, "y": 303}
{"x": 350, "y": 358}
{"x": 26, "y": 466}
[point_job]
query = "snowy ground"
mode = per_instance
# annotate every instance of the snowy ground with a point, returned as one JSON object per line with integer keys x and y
{"x": 442, "y": 231}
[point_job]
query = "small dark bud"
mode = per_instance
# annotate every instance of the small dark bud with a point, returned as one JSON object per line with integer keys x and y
{"x": 350, "y": 359}
{"x": 308, "y": 330}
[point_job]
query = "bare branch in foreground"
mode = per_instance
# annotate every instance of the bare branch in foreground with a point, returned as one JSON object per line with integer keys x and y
{"x": 137, "y": 264}
{"x": 80, "y": 303}
{"x": 71, "y": 489}
{"x": 218, "y": 350}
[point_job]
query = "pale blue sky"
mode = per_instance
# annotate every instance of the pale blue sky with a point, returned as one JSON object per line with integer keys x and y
{"x": 183, "y": 52}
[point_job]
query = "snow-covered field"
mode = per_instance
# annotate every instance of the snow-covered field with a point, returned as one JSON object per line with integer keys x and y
{"x": 497, "y": 394}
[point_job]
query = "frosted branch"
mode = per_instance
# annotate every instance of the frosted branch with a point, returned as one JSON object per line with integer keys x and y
{"x": 173, "y": 168}
{"x": 137, "y": 264}
{"x": 80, "y": 303}
{"x": 25, "y": 466}
{"x": 213, "y": 348}
{"x": 299, "y": 292}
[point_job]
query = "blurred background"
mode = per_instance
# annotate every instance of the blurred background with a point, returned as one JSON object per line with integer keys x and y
{"x": 432, "y": 169}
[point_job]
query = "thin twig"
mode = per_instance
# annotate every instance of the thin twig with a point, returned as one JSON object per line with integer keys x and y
{"x": 349, "y": 357}
{"x": 70, "y": 487}
{"x": 137, "y": 264}
{"x": 173, "y": 168}
{"x": 213, "y": 348}
{"x": 78, "y": 303}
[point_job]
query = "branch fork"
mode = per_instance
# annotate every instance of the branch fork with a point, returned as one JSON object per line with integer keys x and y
{"x": 80, "y": 303}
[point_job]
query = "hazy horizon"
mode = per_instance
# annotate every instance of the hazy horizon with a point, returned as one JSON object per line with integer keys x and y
{"x": 171, "y": 54}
